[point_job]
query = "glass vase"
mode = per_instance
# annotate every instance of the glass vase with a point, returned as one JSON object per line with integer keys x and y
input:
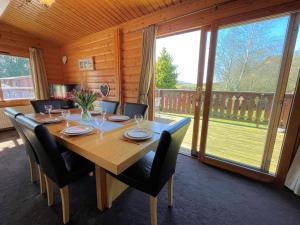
{"x": 85, "y": 114}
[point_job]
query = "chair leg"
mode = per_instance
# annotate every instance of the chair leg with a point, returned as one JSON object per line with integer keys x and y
{"x": 33, "y": 171}
{"x": 153, "y": 210}
{"x": 49, "y": 186}
{"x": 64, "y": 194}
{"x": 170, "y": 191}
{"x": 42, "y": 180}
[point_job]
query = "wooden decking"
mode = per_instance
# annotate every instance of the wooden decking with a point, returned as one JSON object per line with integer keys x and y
{"x": 238, "y": 141}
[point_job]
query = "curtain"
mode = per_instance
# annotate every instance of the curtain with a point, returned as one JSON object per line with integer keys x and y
{"x": 39, "y": 77}
{"x": 293, "y": 177}
{"x": 148, "y": 63}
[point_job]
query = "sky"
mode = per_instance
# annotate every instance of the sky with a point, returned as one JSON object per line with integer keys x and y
{"x": 184, "y": 49}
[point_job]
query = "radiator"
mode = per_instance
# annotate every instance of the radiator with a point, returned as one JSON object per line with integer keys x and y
{"x": 4, "y": 121}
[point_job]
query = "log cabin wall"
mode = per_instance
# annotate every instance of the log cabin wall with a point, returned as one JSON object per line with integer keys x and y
{"x": 104, "y": 48}
{"x": 16, "y": 42}
{"x": 131, "y": 58}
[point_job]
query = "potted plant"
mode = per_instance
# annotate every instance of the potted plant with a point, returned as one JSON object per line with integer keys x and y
{"x": 85, "y": 99}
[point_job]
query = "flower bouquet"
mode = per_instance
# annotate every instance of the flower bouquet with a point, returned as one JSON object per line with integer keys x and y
{"x": 85, "y": 99}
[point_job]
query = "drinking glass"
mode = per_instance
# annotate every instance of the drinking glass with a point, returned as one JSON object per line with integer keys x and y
{"x": 65, "y": 115}
{"x": 103, "y": 115}
{"x": 138, "y": 119}
{"x": 48, "y": 109}
{"x": 99, "y": 125}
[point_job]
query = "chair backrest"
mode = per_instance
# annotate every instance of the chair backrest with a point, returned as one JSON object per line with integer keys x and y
{"x": 46, "y": 148}
{"x": 68, "y": 104}
{"x": 109, "y": 106}
{"x": 131, "y": 109}
{"x": 164, "y": 162}
{"x": 39, "y": 105}
{"x": 12, "y": 114}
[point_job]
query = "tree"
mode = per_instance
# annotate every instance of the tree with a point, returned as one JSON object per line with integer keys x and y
{"x": 166, "y": 71}
{"x": 13, "y": 66}
{"x": 248, "y": 55}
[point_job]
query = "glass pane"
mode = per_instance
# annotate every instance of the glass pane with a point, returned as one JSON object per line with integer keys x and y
{"x": 176, "y": 79}
{"x": 247, "y": 67}
{"x": 289, "y": 94}
{"x": 15, "y": 78}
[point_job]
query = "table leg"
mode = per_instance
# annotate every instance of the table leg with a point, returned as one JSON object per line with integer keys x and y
{"x": 101, "y": 188}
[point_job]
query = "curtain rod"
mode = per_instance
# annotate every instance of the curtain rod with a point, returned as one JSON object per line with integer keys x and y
{"x": 214, "y": 6}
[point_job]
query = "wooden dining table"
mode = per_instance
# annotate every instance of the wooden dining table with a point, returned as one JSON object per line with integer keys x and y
{"x": 109, "y": 151}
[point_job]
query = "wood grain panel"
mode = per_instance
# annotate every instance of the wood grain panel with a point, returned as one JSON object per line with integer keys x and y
{"x": 131, "y": 65}
{"x": 102, "y": 47}
{"x": 17, "y": 42}
{"x": 68, "y": 20}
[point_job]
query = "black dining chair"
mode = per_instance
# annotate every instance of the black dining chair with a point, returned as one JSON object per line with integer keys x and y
{"x": 109, "y": 106}
{"x": 131, "y": 109}
{"x": 68, "y": 104}
{"x": 155, "y": 169}
{"x": 32, "y": 157}
{"x": 39, "y": 105}
{"x": 59, "y": 165}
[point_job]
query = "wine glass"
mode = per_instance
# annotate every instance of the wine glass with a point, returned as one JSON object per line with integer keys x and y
{"x": 65, "y": 115}
{"x": 103, "y": 115}
{"x": 48, "y": 109}
{"x": 99, "y": 124}
{"x": 138, "y": 119}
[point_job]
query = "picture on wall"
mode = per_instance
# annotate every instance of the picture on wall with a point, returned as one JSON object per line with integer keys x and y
{"x": 86, "y": 64}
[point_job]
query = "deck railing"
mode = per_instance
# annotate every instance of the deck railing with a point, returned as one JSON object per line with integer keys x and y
{"x": 252, "y": 107}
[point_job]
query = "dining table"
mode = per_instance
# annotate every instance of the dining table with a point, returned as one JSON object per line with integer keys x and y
{"x": 106, "y": 147}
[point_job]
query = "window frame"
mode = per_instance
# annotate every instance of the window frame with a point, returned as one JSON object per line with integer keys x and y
{"x": 14, "y": 102}
{"x": 225, "y": 164}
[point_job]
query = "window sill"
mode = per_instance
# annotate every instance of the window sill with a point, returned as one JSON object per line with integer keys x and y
{"x": 12, "y": 103}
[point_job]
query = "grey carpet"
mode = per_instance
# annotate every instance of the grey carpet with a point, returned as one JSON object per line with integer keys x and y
{"x": 202, "y": 195}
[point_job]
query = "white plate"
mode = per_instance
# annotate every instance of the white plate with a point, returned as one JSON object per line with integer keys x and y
{"x": 51, "y": 120}
{"x": 95, "y": 112}
{"x": 138, "y": 134}
{"x": 56, "y": 111}
{"x": 118, "y": 118}
{"x": 77, "y": 130}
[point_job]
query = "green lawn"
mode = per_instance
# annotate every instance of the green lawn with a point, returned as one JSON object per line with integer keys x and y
{"x": 237, "y": 141}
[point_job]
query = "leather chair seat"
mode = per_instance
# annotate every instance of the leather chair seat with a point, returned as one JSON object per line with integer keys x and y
{"x": 75, "y": 162}
{"x": 138, "y": 175}
{"x": 76, "y": 165}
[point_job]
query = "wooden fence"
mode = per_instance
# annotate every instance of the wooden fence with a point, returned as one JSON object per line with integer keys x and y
{"x": 252, "y": 107}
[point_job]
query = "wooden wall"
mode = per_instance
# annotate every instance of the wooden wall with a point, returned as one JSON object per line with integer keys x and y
{"x": 117, "y": 59}
{"x": 104, "y": 48}
{"x": 131, "y": 55}
{"x": 17, "y": 42}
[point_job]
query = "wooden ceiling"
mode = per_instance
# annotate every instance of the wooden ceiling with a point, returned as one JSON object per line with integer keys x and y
{"x": 67, "y": 20}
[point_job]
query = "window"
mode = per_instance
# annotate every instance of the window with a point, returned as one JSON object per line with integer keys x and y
{"x": 15, "y": 78}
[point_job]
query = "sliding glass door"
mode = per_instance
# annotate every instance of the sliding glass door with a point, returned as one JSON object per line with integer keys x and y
{"x": 176, "y": 92}
{"x": 233, "y": 80}
{"x": 248, "y": 93}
